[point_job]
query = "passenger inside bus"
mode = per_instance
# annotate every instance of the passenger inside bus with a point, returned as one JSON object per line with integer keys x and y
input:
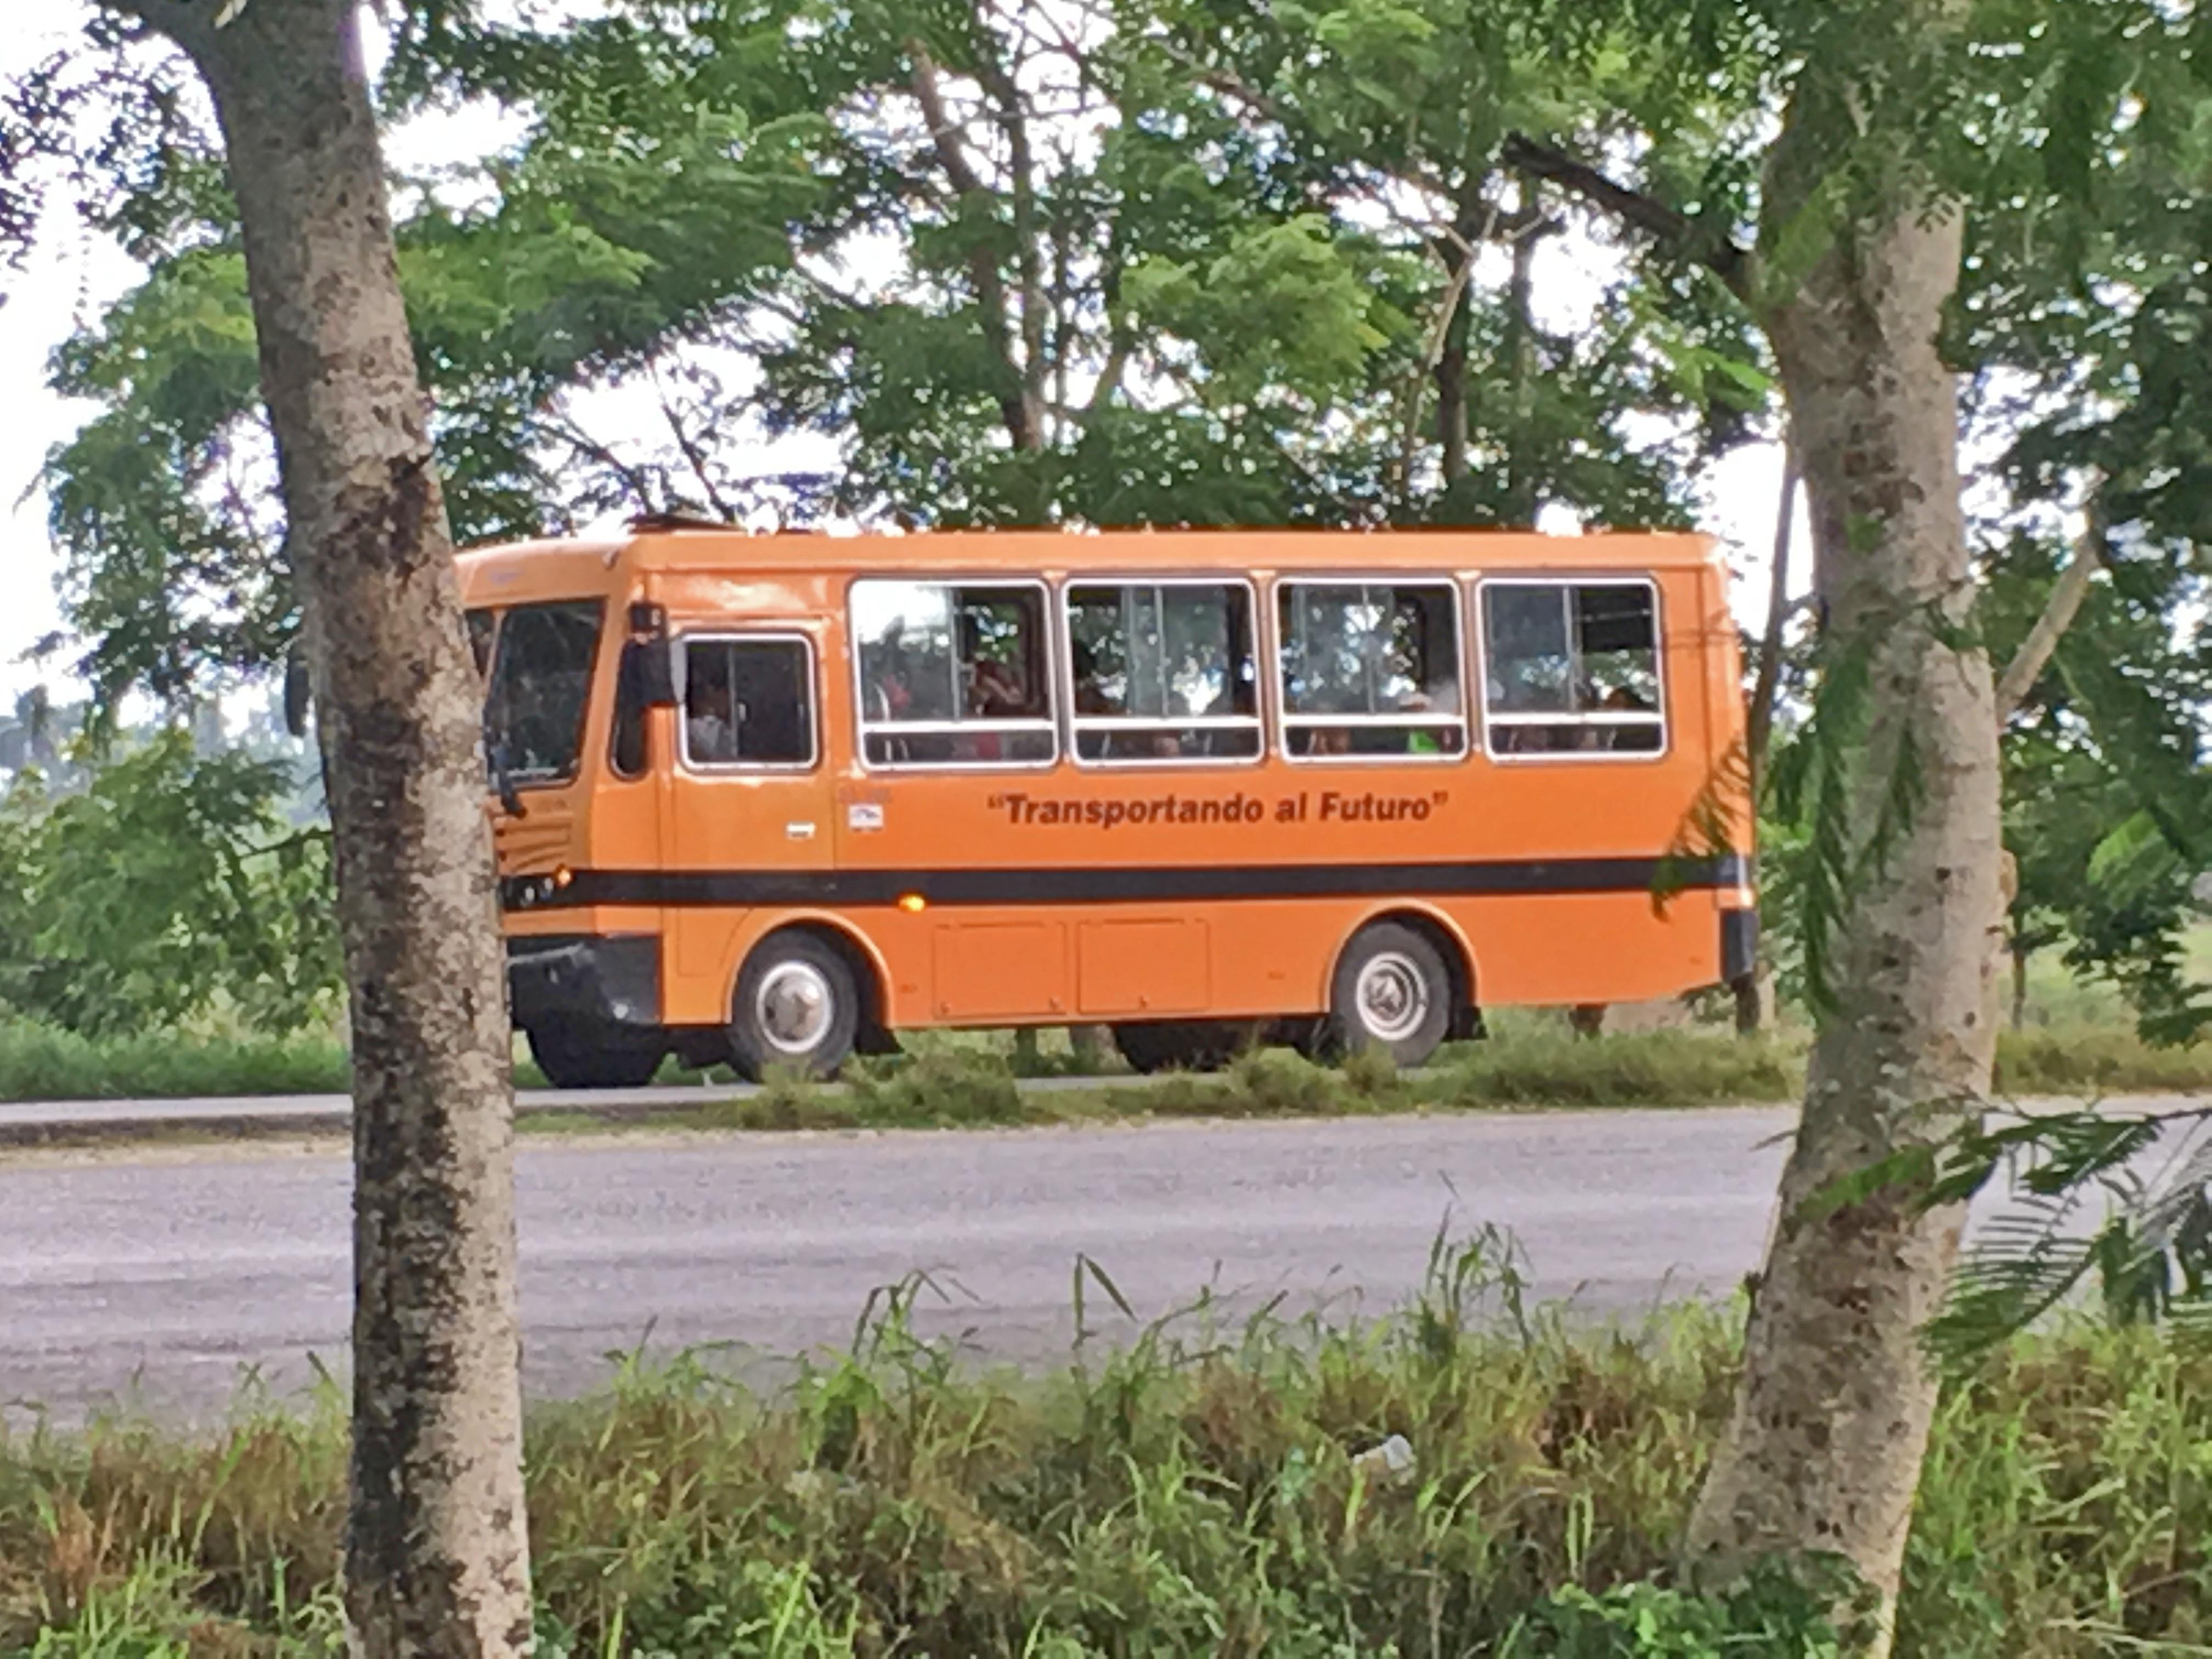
{"x": 709, "y": 731}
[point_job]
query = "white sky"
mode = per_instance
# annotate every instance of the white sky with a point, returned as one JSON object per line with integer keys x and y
{"x": 74, "y": 274}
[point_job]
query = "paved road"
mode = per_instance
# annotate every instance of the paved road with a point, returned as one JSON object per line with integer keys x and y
{"x": 166, "y": 1273}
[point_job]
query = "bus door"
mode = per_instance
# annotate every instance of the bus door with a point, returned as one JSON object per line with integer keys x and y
{"x": 746, "y": 819}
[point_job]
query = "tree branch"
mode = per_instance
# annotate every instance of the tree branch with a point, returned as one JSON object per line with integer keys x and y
{"x": 2028, "y": 662}
{"x": 1673, "y": 230}
{"x": 999, "y": 86}
{"x": 983, "y": 260}
{"x": 693, "y": 456}
{"x": 1458, "y": 255}
{"x": 635, "y": 479}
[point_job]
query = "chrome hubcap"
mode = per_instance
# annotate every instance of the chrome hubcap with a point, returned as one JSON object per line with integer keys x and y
{"x": 793, "y": 1007}
{"x": 1393, "y": 997}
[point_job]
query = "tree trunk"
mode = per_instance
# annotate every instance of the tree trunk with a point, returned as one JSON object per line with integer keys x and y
{"x": 1750, "y": 993}
{"x": 1520, "y": 352}
{"x": 436, "y": 1561}
{"x": 1832, "y": 1410}
{"x": 1091, "y": 1044}
{"x": 1451, "y": 372}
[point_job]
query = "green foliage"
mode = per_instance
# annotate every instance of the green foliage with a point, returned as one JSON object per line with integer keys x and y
{"x": 2088, "y": 1063}
{"x": 169, "y": 887}
{"x": 41, "y": 1062}
{"x": 1818, "y": 783}
{"x": 1197, "y": 1487}
{"x": 2108, "y": 794}
{"x": 937, "y": 1089}
{"x": 1772, "y": 1614}
{"x": 1214, "y": 308}
{"x": 2149, "y": 1256}
{"x": 952, "y": 1084}
{"x": 1654, "y": 1068}
{"x": 1283, "y": 309}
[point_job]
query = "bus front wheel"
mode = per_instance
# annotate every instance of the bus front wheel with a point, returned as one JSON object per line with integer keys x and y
{"x": 797, "y": 1005}
{"x": 596, "y": 1057}
{"x": 1391, "y": 991}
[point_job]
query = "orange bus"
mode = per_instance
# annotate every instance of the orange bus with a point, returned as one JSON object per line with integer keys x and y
{"x": 774, "y": 798}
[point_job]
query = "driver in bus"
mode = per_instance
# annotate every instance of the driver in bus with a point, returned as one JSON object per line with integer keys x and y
{"x": 708, "y": 736}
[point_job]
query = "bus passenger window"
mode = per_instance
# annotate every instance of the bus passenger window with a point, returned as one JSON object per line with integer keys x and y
{"x": 952, "y": 676}
{"x": 1370, "y": 671}
{"x": 748, "y": 702}
{"x": 1162, "y": 671}
{"x": 1572, "y": 668}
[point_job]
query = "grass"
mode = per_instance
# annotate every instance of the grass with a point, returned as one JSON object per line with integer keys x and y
{"x": 2057, "y": 996}
{"x": 970, "y": 1087}
{"x": 39, "y": 1063}
{"x": 971, "y": 1079}
{"x": 2098, "y": 1061}
{"x": 1203, "y": 1489}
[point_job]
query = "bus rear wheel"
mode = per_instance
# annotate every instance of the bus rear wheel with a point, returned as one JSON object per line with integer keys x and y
{"x": 596, "y": 1056}
{"x": 1181, "y": 1045}
{"x": 1391, "y": 991}
{"x": 797, "y": 1005}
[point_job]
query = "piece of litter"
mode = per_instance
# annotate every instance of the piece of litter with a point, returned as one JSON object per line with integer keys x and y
{"x": 1392, "y": 1458}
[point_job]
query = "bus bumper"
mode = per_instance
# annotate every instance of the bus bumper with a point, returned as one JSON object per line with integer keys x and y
{"x": 1738, "y": 945}
{"x": 555, "y": 979}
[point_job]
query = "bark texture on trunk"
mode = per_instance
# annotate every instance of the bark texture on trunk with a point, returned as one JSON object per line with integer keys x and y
{"x": 1832, "y": 1413}
{"x": 436, "y": 1561}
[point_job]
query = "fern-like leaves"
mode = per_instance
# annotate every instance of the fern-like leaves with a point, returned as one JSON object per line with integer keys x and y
{"x": 2148, "y": 1258}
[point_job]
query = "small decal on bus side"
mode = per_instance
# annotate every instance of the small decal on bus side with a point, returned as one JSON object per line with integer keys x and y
{"x": 864, "y": 815}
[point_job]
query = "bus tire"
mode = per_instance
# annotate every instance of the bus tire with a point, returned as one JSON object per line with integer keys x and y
{"x": 1392, "y": 990}
{"x": 586, "y": 1056}
{"x": 797, "y": 1005}
{"x": 1181, "y": 1045}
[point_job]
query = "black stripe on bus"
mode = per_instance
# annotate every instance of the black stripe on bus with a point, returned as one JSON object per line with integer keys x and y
{"x": 1191, "y": 883}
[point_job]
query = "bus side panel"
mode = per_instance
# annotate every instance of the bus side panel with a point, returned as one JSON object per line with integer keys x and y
{"x": 1014, "y": 965}
{"x": 1589, "y": 948}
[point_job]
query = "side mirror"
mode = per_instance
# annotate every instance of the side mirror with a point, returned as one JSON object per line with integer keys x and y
{"x": 649, "y": 677}
{"x": 648, "y": 673}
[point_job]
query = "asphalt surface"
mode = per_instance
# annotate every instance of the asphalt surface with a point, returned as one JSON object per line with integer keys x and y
{"x": 163, "y": 1277}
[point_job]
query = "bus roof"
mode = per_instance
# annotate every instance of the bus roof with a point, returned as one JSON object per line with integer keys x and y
{"x": 589, "y": 563}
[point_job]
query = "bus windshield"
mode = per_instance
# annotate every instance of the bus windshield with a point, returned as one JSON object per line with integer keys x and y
{"x": 540, "y": 684}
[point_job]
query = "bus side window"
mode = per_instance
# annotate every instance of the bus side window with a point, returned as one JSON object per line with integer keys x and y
{"x": 1371, "y": 670}
{"x": 953, "y": 675}
{"x": 1572, "y": 668}
{"x": 1162, "y": 669}
{"x": 748, "y": 702}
